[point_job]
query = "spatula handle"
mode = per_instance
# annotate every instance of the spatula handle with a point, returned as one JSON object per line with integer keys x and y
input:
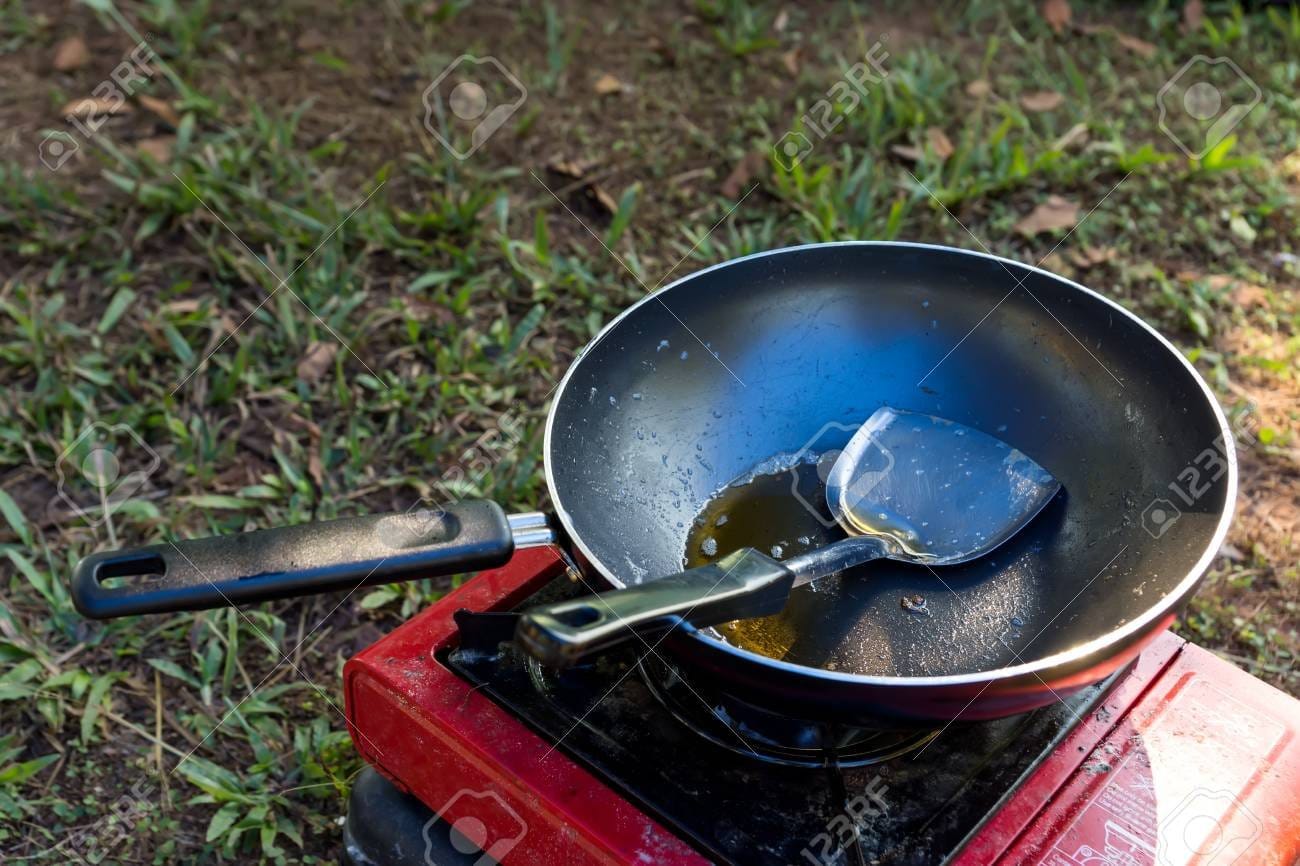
{"x": 741, "y": 585}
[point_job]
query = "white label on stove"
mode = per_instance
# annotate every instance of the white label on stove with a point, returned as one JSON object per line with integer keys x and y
{"x": 1166, "y": 786}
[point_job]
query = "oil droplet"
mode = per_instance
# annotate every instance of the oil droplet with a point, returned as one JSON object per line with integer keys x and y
{"x": 663, "y": 344}
{"x": 1017, "y": 621}
{"x": 709, "y": 547}
{"x": 777, "y": 550}
{"x": 685, "y": 355}
{"x": 721, "y": 521}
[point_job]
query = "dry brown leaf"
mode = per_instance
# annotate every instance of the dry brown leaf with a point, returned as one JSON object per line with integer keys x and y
{"x": 1089, "y": 257}
{"x": 979, "y": 88}
{"x": 316, "y": 360}
{"x": 574, "y": 168}
{"x": 606, "y": 200}
{"x": 160, "y": 148}
{"x": 1213, "y": 282}
{"x": 1140, "y": 47}
{"x": 311, "y": 40}
{"x": 315, "y": 468}
{"x": 1057, "y": 14}
{"x": 239, "y": 474}
{"x": 1243, "y": 294}
{"x": 93, "y": 106}
{"x": 666, "y": 52}
{"x": 1250, "y": 295}
{"x": 1077, "y": 134}
{"x": 566, "y": 167}
{"x": 161, "y": 108}
{"x": 1290, "y": 165}
{"x": 1193, "y": 12}
{"x": 750, "y": 164}
{"x": 1052, "y": 215}
{"x": 936, "y": 141}
{"x": 226, "y": 324}
{"x": 422, "y": 308}
{"x": 908, "y": 152}
{"x": 939, "y": 143}
{"x": 790, "y": 60}
{"x": 294, "y": 421}
{"x": 1056, "y": 263}
{"x": 1041, "y": 100}
{"x": 71, "y": 54}
{"x": 607, "y": 84}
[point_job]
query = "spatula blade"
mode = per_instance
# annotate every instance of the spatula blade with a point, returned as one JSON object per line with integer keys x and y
{"x": 945, "y": 492}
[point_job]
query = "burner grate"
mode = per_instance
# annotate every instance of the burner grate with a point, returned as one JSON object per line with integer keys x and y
{"x": 754, "y": 732}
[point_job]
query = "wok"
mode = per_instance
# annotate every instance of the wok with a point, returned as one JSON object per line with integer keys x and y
{"x": 696, "y": 384}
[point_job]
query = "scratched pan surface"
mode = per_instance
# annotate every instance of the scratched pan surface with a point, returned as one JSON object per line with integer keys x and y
{"x": 697, "y": 384}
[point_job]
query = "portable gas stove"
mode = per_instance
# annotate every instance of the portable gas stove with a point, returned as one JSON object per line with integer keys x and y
{"x": 485, "y": 757}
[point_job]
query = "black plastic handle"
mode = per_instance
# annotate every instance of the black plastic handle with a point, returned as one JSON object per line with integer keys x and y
{"x": 741, "y": 585}
{"x": 293, "y": 560}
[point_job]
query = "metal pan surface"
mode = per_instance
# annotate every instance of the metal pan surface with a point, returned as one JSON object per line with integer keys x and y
{"x": 769, "y": 354}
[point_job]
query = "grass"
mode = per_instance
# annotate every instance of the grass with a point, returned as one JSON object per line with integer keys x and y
{"x": 306, "y": 308}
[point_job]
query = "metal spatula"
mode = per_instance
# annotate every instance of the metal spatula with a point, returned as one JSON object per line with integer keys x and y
{"x": 908, "y": 487}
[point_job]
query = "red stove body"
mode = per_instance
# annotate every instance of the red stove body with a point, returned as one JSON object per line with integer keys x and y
{"x": 1186, "y": 760}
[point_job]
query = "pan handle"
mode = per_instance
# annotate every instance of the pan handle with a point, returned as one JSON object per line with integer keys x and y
{"x": 741, "y": 585}
{"x": 298, "y": 560}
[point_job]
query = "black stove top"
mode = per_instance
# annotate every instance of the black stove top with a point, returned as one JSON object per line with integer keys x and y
{"x": 730, "y": 788}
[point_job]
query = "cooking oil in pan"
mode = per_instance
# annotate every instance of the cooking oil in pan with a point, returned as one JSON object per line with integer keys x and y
{"x": 782, "y": 514}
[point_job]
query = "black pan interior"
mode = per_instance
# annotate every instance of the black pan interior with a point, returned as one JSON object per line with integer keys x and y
{"x": 699, "y": 383}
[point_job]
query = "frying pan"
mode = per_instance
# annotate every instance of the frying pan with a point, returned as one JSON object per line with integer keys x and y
{"x": 699, "y": 382}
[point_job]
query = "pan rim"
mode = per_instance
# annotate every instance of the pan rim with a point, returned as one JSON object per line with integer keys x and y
{"x": 1117, "y": 637}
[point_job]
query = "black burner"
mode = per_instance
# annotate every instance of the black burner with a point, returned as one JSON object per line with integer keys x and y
{"x": 750, "y": 730}
{"x": 748, "y": 786}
